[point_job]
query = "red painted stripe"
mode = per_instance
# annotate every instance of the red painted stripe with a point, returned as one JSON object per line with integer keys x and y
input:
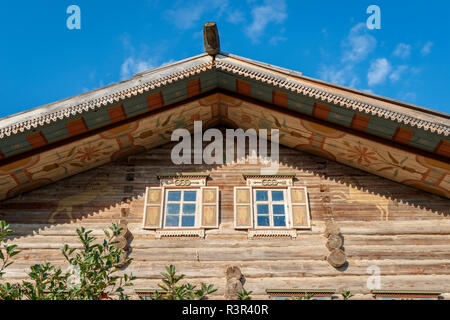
{"x": 76, "y": 127}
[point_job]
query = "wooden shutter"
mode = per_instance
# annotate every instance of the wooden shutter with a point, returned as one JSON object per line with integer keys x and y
{"x": 243, "y": 208}
{"x": 299, "y": 208}
{"x": 153, "y": 207}
{"x": 209, "y": 207}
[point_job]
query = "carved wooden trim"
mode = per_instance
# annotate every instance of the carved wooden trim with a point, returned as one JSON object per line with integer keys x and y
{"x": 270, "y": 233}
{"x": 259, "y": 180}
{"x": 183, "y": 181}
{"x": 300, "y": 292}
{"x": 406, "y": 294}
{"x": 180, "y": 233}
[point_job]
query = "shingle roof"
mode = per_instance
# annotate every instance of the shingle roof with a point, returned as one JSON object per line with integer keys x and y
{"x": 415, "y": 116}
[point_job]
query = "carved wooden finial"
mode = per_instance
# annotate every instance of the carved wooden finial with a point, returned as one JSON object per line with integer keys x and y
{"x": 211, "y": 38}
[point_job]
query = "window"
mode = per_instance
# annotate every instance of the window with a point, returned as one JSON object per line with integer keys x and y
{"x": 181, "y": 208}
{"x": 270, "y": 207}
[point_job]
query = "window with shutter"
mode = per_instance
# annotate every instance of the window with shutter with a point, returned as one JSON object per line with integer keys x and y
{"x": 182, "y": 206}
{"x": 271, "y": 206}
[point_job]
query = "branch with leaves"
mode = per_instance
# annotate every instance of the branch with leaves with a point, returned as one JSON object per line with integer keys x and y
{"x": 346, "y": 295}
{"x": 173, "y": 290}
{"x": 95, "y": 271}
{"x": 244, "y": 294}
{"x": 6, "y": 251}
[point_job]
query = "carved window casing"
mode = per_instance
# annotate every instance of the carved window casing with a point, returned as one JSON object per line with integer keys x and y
{"x": 181, "y": 206}
{"x": 271, "y": 206}
{"x": 293, "y": 294}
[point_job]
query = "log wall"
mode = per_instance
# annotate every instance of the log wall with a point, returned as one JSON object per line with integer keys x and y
{"x": 403, "y": 231}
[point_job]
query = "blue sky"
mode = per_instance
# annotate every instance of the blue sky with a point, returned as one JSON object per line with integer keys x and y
{"x": 42, "y": 61}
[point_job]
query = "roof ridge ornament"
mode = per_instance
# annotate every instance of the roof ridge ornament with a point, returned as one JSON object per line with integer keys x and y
{"x": 211, "y": 38}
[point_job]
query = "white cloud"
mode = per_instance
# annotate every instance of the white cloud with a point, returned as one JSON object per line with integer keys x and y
{"x": 342, "y": 76}
{"x": 402, "y": 50}
{"x": 408, "y": 96}
{"x": 332, "y": 74}
{"x": 142, "y": 59}
{"x": 235, "y": 16}
{"x": 378, "y": 71}
{"x": 187, "y": 14}
{"x": 355, "y": 48}
{"x": 269, "y": 12}
{"x": 359, "y": 44}
{"x": 397, "y": 73}
{"x": 132, "y": 65}
{"x": 277, "y": 39}
{"x": 426, "y": 50}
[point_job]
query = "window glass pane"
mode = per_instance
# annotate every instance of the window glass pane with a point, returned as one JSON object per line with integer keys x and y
{"x": 172, "y": 221}
{"x": 262, "y": 209}
{"x": 190, "y": 195}
{"x": 173, "y": 208}
{"x": 174, "y": 196}
{"x": 278, "y": 208}
{"x": 188, "y": 221}
{"x": 279, "y": 221}
{"x": 277, "y": 196}
{"x": 263, "y": 221}
{"x": 188, "y": 208}
{"x": 261, "y": 195}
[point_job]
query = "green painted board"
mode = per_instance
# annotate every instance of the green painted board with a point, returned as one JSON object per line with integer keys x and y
{"x": 97, "y": 118}
{"x": 382, "y": 127}
{"x": 262, "y": 92}
{"x": 424, "y": 140}
{"x": 226, "y": 81}
{"x": 340, "y": 115}
{"x": 175, "y": 92}
{"x": 14, "y": 144}
{"x": 136, "y": 105}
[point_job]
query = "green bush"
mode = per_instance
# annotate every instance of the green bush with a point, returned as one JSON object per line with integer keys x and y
{"x": 92, "y": 274}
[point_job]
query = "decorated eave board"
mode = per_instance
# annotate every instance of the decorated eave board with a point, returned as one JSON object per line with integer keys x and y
{"x": 399, "y": 141}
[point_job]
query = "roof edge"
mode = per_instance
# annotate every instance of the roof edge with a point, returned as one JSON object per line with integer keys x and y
{"x": 337, "y": 86}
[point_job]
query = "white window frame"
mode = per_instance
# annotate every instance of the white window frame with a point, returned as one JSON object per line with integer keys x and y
{"x": 198, "y": 201}
{"x": 269, "y": 203}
